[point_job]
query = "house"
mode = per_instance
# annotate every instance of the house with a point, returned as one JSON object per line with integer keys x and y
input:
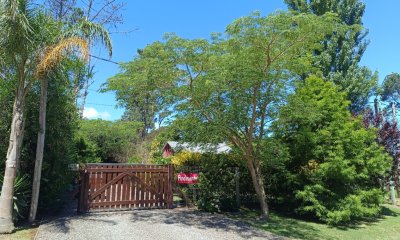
{"x": 172, "y": 147}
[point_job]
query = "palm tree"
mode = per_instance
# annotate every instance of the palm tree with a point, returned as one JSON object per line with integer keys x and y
{"x": 51, "y": 57}
{"x": 24, "y": 36}
{"x": 89, "y": 31}
{"x": 17, "y": 45}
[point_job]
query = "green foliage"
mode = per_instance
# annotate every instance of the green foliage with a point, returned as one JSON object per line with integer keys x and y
{"x": 22, "y": 196}
{"x": 59, "y": 151}
{"x": 275, "y": 156}
{"x": 334, "y": 162}
{"x": 343, "y": 49}
{"x": 231, "y": 86}
{"x": 105, "y": 140}
{"x": 381, "y": 228}
{"x": 391, "y": 88}
{"x": 6, "y": 100}
{"x": 216, "y": 185}
{"x": 86, "y": 151}
{"x": 143, "y": 87}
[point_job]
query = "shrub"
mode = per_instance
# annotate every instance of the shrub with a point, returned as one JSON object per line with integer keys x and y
{"x": 216, "y": 182}
{"x": 22, "y": 196}
{"x": 334, "y": 161}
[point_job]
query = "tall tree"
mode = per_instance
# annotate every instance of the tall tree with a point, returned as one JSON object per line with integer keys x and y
{"x": 26, "y": 35}
{"x": 343, "y": 50}
{"x": 229, "y": 89}
{"x": 61, "y": 9}
{"x": 53, "y": 55}
{"x": 81, "y": 32}
{"x": 391, "y": 93}
{"x": 23, "y": 34}
{"x": 142, "y": 90}
{"x": 335, "y": 162}
{"x": 385, "y": 120}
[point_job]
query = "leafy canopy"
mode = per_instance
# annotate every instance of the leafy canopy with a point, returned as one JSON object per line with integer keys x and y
{"x": 335, "y": 162}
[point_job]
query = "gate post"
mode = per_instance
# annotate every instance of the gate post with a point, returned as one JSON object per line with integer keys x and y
{"x": 83, "y": 192}
{"x": 170, "y": 194}
{"x": 81, "y": 189}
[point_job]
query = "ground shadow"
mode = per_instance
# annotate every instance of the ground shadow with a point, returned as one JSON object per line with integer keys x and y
{"x": 281, "y": 225}
{"x": 195, "y": 218}
{"x": 386, "y": 212}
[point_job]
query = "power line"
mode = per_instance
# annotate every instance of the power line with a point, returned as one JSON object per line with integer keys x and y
{"x": 104, "y": 59}
{"x": 100, "y": 104}
{"x": 97, "y": 91}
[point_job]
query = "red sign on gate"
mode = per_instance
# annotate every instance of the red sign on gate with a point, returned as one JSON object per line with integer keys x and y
{"x": 188, "y": 178}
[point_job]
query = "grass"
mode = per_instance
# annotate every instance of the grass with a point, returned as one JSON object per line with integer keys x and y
{"x": 21, "y": 233}
{"x": 386, "y": 227}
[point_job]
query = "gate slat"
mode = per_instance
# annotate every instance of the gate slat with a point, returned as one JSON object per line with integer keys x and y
{"x": 123, "y": 186}
{"x": 142, "y": 188}
{"x": 162, "y": 189}
{"x": 137, "y": 190}
{"x": 113, "y": 192}
{"x": 108, "y": 190}
{"x": 156, "y": 179}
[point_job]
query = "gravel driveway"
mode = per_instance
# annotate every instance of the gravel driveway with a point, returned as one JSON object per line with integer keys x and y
{"x": 176, "y": 224}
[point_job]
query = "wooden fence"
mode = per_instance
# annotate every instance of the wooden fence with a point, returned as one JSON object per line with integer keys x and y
{"x": 125, "y": 186}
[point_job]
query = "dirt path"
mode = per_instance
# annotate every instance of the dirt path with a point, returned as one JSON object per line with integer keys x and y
{"x": 177, "y": 224}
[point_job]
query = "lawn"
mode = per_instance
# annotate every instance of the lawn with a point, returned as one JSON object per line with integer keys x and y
{"x": 21, "y": 233}
{"x": 386, "y": 227}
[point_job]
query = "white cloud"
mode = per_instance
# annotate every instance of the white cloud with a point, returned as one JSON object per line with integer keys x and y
{"x": 92, "y": 113}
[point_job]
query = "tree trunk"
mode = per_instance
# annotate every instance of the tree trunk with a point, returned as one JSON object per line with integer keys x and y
{"x": 39, "y": 151}
{"x": 376, "y": 108}
{"x": 16, "y": 135}
{"x": 394, "y": 114}
{"x": 85, "y": 93}
{"x": 258, "y": 183}
{"x": 86, "y": 84}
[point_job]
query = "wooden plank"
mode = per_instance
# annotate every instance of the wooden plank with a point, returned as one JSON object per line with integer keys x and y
{"x": 142, "y": 187}
{"x": 113, "y": 192}
{"x": 120, "y": 203}
{"x": 128, "y": 191}
{"x": 148, "y": 188}
{"x": 82, "y": 191}
{"x": 156, "y": 184}
{"x": 130, "y": 169}
{"x": 115, "y": 178}
{"x": 170, "y": 182}
{"x": 162, "y": 178}
{"x": 116, "y": 186}
{"x": 86, "y": 193}
{"x": 101, "y": 183}
{"x": 125, "y": 189}
{"x": 153, "y": 188}
{"x": 108, "y": 190}
{"x": 137, "y": 189}
{"x": 91, "y": 184}
{"x": 118, "y": 190}
{"x": 145, "y": 188}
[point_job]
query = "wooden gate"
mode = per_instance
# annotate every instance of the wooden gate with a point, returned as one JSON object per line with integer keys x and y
{"x": 125, "y": 186}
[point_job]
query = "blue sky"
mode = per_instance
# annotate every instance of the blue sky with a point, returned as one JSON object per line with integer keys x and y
{"x": 198, "y": 19}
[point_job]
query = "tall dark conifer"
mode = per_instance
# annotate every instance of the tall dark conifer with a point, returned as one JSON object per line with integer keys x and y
{"x": 339, "y": 59}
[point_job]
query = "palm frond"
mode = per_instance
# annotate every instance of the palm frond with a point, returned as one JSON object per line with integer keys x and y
{"x": 56, "y": 53}
{"x": 14, "y": 24}
{"x": 92, "y": 32}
